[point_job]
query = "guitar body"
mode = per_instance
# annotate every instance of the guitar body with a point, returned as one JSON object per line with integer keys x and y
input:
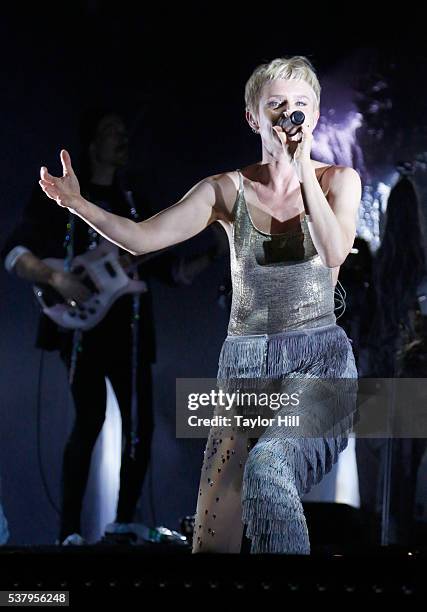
{"x": 100, "y": 270}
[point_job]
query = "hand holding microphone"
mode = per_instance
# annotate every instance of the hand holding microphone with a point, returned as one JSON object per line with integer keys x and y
{"x": 295, "y": 135}
{"x": 291, "y": 124}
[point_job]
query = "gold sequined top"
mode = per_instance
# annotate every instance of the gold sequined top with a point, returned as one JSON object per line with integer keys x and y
{"x": 279, "y": 281}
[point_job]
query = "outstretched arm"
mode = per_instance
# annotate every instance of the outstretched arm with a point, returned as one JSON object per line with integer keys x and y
{"x": 188, "y": 217}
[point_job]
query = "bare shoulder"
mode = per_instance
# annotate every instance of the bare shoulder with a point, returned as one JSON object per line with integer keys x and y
{"x": 226, "y": 187}
{"x": 343, "y": 190}
{"x": 341, "y": 177}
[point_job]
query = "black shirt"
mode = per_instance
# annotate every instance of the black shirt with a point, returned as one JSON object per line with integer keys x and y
{"x": 43, "y": 230}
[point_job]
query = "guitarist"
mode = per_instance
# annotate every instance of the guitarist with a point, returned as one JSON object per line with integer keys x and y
{"x": 105, "y": 350}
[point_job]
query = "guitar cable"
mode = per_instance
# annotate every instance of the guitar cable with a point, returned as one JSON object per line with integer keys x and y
{"x": 38, "y": 436}
{"x": 40, "y": 459}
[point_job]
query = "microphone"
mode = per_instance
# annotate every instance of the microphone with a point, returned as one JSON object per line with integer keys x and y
{"x": 291, "y": 124}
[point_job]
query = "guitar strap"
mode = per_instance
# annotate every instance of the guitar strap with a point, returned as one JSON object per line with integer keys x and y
{"x": 135, "y": 335}
{"x": 69, "y": 255}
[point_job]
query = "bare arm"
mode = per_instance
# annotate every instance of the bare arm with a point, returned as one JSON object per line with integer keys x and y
{"x": 188, "y": 217}
{"x": 333, "y": 219}
{"x": 31, "y": 268}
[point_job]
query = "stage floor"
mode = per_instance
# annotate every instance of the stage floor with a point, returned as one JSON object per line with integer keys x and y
{"x": 113, "y": 573}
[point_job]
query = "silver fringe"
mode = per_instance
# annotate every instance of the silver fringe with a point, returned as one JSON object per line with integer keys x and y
{"x": 282, "y": 467}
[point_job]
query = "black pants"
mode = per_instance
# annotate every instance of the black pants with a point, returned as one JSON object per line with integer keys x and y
{"x": 100, "y": 358}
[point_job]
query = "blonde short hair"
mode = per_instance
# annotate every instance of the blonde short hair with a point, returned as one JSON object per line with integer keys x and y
{"x": 297, "y": 67}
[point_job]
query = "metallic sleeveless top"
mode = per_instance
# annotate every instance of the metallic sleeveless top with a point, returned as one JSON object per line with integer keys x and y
{"x": 279, "y": 281}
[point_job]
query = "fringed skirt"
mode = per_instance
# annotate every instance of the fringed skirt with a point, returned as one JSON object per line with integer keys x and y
{"x": 258, "y": 480}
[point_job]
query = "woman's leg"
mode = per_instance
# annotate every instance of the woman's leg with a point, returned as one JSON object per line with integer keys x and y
{"x": 218, "y": 526}
{"x": 284, "y": 464}
{"x": 272, "y": 506}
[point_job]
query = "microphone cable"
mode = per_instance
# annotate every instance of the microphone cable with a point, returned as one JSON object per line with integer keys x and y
{"x": 340, "y": 295}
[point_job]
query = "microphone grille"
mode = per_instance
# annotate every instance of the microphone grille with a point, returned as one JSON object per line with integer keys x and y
{"x": 297, "y": 117}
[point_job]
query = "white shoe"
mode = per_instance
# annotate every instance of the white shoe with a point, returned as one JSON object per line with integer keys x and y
{"x": 118, "y": 528}
{"x": 75, "y": 539}
{"x": 137, "y": 530}
{"x": 145, "y": 534}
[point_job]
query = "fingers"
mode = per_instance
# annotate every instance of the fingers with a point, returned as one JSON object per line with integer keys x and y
{"x": 49, "y": 189}
{"x": 306, "y": 129}
{"x": 52, "y": 192}
{"x": 81, "y": 295}
{"x": 67, "y": 168}
{"x": 281, "y": 134}
{"x": 66, "y": 162}
{"x": 76, "y": 294}
{"x": 297, "y": 137}
{"x": 285, "y": 136}
{"x": 304, "y": 133}
{"x": 47, "y": 185}
{"x": 46, "y": 177}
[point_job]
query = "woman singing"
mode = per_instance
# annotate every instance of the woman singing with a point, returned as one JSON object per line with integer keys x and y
{"x": 291, "y": 222}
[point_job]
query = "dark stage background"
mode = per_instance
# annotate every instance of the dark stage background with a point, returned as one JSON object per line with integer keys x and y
{"x": 180, "y": 81}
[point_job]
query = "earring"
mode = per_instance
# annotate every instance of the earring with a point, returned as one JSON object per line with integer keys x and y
{"x": 254, "y": 130}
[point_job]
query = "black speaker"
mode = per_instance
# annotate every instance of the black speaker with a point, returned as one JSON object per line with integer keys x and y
{"x": 333, "y": 526}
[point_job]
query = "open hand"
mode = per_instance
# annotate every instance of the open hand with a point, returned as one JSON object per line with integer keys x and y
{"x": 65, "y": 190}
